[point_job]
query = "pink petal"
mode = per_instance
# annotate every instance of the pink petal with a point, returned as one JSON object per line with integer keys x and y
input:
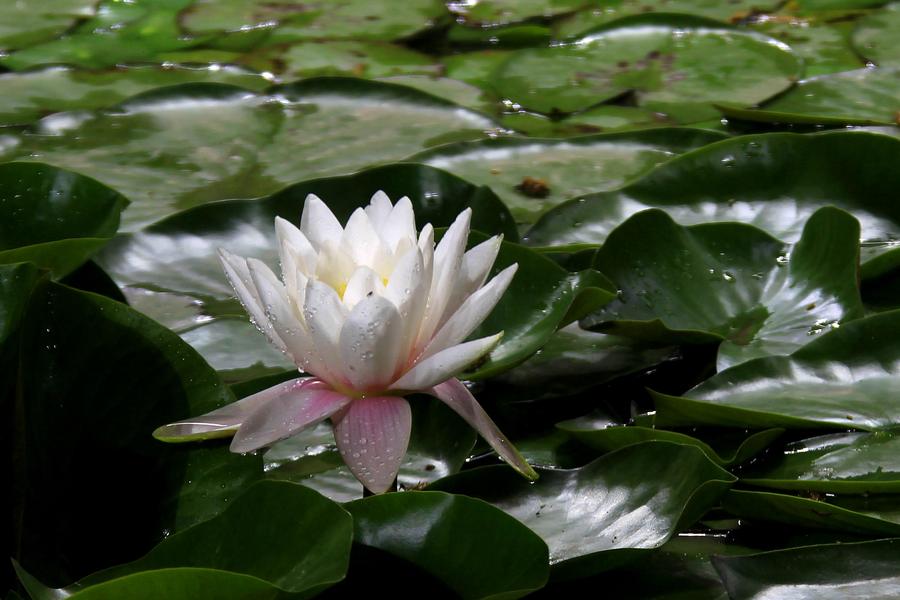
{"x": 287, "y": 414}
{"x": 224, "y": 421}
{"x": 372, "y": 436}
{"x": 445, "y": 364}
{"x": 458, "y": 397}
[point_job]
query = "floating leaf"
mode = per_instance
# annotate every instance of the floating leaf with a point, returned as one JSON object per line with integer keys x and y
{"x": 729, "y": 281}
{"x": 475, "y": 549}
{"x": 606, "y": 512}
{"x": 874, "y": 36}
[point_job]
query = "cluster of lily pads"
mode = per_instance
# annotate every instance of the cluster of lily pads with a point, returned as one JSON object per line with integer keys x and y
{"x": 701, "y": 350}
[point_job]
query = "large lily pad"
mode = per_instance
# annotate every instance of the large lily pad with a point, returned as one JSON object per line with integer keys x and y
{"x": 824, "y": 572}
{"x": 492, "y": 13}
{"x": 845, "y": 378}
{"x": 164, "y": 154}
{"x": 54, "y": 218}
{"x": 730, "y": 281}
{"x": 824, "y": 46}
{"x": 774, "y": 181}
{"x": 186, "y": 289}
{"x": 839, "y": 463}
{"x": 289, "y": 539}
{"x": 439, "y": 445}
{"x": 361, "y": 19}
{"x": 534, "y": 175}
{"x": 475, "y": 549}
{"x": 670, "y": 67}
{"x": 860, "y": 97}
{"x": 32, "y": 94}
{"x": 875, "y": 36}
{"x": 595, "y": 517}
{"x": 25, "y": 23}
{"x": 95, "y": 377}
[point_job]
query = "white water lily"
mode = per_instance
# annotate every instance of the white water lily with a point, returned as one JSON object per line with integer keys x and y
{"x": 372, "y": 312}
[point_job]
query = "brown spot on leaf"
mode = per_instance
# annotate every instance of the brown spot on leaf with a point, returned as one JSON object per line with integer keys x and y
{"x": 533, "y": 187}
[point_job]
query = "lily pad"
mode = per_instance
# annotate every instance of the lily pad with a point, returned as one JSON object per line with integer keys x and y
{"x": 30, "y": 95}
{"x": 729, "y": 281}
{"x": 774, "y": 181}
{"x": 824, "y": 572}
{"x": 476, "y": 68}
{"x": 163, "y": 153}
{"x": 474, "y": 548}
{"x": 603, "y": 118}
{"x": 24, "y": 23}
{"x": 439, "y": 446}
{"x": 186, "y": 290}
{"x": 360, "y": 19}
{"x": 796, "y": 511}
{"x": 723, "y": 447}
{"x": 677, "y": 69}
{"x": 54, "y": 218}
{"x": 824, "y": 46}
{"x": 454, "y": 90}
{"x": 135, "y": 32}
{"x": 340, "y": 57}
{"x": 265, "y": 534}
{"x": 492, "y": 13}
{"x": 861, "y": 97}
{"x": 96, "y": 378}
{"x": 533, "y": 175}
{"x": 845, "y": 378}
{"x": 849, "y": 463}
{"x": 608, "y": 511}
{"x": 875, "y": 36}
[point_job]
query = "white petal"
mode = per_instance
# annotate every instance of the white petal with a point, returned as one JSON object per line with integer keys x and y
{"x": 370, "y": 344}
{"x": 408, "y": 290}
{"x": 363, "y": 282}
{"x": 285, "y": 324}
{"x": 224, "y": 421}
{"x": 476, "y": 264}
{"x": 318, "y": 223}
{"x": 325, "y": 316}
{"x": 239, "y": 275}
{"x": 455, "y": 395}
{"x": 372, "y": 436}
{"x": 473, "y": 311}
{"x": 293, "y": 241}
{"x": 334, "y": 266}
{"x": 400, "y": 225}
{"x": 445, "y": 364}
{"x": 447, "y": 261}
{"x": 363, "y": 243}
{"x": 379, "y": 209}
{"x": 287, "y": 414}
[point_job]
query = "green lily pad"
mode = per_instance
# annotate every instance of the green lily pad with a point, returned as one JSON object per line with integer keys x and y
{"x": 674, "y": 68}
{"x": 849, "y": 463}
{"x": 861, "y": 97}
{"x": 360, "y": 19}
{"x": 54, "y": 218}
{"x": 560, "y": 169}
{"x": 476, "y": 68}
{"x": 603, "y": 118}
{"x": 492, "y": 13}
{"x": 26, "y": 23}
{"x": 586, "y": 20}
{"x": 574, "y": 358}
{"x": 265, "y": 534}
{"x": 774, "y": 181}
{"x": 730, "y": 281}
{"x": 163, "y": 153}
{"x": 96, "y": 377}
{"x": 723, "y": 447}
{"x": 475, "y": 549}
{"x": 845, "y": 378}
{"x": 439, "y": 446}
{"x": 32, "y": 94}
{"x": 135, "y": 32}
{"x": 796, "y": 511}
{"x": 875, "y": 36}
{"x": 608, "y": 511}
{"x": 340, "y": 57}
{"x": 825, "y": 572}
{"x": 454, "y": 90}
{"x": 503, "y": 36}
{"x": 187, "y": 291}
{"x": 823, "y": 46}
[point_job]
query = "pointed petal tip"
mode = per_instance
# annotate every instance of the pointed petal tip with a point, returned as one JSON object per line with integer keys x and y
{"x": 185, "y": 431}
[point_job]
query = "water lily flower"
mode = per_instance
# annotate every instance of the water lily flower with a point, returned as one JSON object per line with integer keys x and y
{"x": 371, "y": 312}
